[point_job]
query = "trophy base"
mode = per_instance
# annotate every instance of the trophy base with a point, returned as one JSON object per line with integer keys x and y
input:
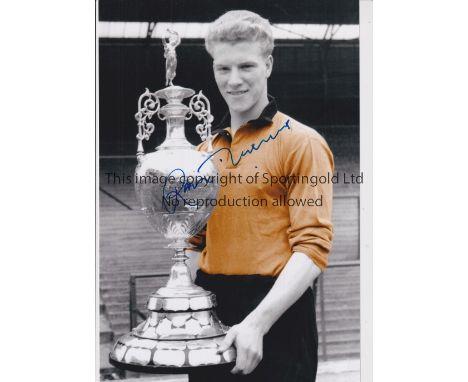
{"x": 168, "y": 369}
{"x": 132, "y": 352}
{"x": 181, "y": 299}
{"x": 181, "y": 331}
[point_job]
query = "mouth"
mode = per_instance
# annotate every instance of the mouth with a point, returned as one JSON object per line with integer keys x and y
{"x": 237, "y": 92}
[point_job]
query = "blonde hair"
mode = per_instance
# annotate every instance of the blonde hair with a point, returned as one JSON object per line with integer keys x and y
{"x": 239, "y": 26}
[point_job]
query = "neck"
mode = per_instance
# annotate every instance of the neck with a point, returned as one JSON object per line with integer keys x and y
{"x": 239, "y": 119}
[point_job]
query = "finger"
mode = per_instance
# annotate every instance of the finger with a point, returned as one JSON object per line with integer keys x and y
{"x": 253, "y": 358}
{"x": 251, "y": 365}
{"x": 227, "y": 342}
{"x": 241, "y": 361}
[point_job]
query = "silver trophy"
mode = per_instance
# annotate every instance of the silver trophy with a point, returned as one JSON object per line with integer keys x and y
{"x": 174, "y": 185}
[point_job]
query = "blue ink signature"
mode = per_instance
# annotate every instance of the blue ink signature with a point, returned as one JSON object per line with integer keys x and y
{"x": 171, "y": 199}
{"x": 248, "y": 151}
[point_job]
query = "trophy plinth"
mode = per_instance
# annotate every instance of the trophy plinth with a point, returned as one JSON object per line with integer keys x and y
{"x": 181, "y": 330}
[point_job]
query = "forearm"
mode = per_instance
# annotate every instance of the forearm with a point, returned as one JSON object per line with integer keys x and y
{"x": 296, "y": 277}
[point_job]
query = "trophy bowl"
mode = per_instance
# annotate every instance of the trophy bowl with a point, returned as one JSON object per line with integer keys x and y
{"x": 180, "y": 205}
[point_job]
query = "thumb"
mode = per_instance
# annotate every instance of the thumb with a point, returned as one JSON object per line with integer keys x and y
{"x": 228, "y": 340}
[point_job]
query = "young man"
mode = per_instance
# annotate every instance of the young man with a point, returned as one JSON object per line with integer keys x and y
{"x": 263, "y": 250}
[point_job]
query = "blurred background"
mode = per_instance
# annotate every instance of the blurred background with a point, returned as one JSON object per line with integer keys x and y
{"x": 315, "y": 80}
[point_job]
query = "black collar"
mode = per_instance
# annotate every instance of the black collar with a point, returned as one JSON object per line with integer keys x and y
{"x": 265, "y": 118}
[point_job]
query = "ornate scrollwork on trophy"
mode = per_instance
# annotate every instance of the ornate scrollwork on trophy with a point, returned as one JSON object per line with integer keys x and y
{"x": 200, "y": 107}
{"x": 148, "y": 105}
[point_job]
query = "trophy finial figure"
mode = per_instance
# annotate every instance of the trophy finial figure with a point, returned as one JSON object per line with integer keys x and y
{"x": 170, "y": 43}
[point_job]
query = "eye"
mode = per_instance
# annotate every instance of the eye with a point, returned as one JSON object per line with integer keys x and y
{"x": 222, "y": 69}
{"x": 247, "y": 66}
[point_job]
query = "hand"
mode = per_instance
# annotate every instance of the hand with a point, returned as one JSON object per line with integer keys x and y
{"x": 248, "y": 340}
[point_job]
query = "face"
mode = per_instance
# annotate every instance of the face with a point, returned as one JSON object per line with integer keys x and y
{"x": 241, "y": 72}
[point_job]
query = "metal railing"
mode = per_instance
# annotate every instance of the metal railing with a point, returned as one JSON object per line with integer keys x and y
{"x": 318, "y": 285}
{"x": 134, "y": 311}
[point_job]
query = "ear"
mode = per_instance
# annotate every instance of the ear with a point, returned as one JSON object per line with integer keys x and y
{"x": 269, "y": 65}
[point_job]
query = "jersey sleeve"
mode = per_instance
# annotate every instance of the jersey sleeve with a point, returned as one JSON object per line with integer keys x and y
{"x": 311, "y": 230}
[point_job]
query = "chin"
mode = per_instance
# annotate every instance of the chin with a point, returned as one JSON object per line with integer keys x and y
{"x": 238, "y": 107}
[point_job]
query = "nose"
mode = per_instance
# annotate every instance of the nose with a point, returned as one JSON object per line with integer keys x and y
{"x": 235, "y": 79}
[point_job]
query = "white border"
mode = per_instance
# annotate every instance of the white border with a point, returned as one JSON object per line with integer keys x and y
{"x": 365, "y": 89}
{"x": 97, "y": 210}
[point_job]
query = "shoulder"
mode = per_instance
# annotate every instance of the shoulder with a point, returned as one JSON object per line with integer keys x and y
{"x": 302, "y": 145}
{"x": 298, "y": 134}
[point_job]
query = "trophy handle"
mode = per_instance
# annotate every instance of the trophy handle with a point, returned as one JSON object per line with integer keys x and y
{"x": 148, "y": 105}
{"x": 200, "y": 107}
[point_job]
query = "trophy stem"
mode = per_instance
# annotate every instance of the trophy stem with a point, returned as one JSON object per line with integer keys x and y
{"x": 180, "y": 276}
{"x": 180, "y": 254}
